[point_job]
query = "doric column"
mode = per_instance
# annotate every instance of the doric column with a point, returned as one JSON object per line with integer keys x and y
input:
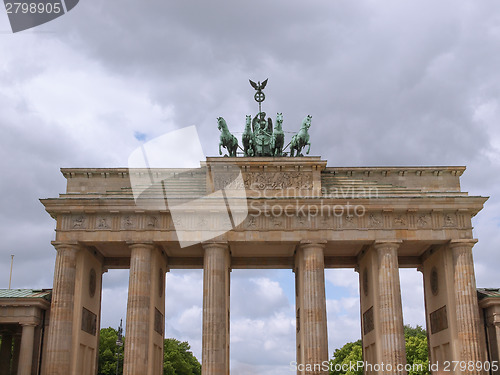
{"x": 26, "y": 353}
{"x": 467, "y": 313}
{"x": 310, "y": 274}
{"x": 5, "y": 353}
{"x": 138, "y": 310}
{"x": 495, "y": 340}
{"x": 392, "y": 340}
{"x": 59, "y": 338}
{"x": 215, "y": 343}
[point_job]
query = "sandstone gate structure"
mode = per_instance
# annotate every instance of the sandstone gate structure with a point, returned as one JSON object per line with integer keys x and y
{"x": 295, "y": 213}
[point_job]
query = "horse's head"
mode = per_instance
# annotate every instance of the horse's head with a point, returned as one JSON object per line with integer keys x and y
{"x": 221, "y": 123}
{"x": 279, "y": 120}
{"x": 248, "y": 120}
{"x": 307, "y": 122}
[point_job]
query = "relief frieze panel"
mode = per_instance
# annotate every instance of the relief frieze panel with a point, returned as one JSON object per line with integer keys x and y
{"x": 349, "y": 221}
{"x": 375, "y": 220}
{"x": 449, "y": 220}
{"x": 151, "y": 222}
{"x": 103, "y": 222}
{"x": 399, "y": 220}
{"x": 423, "y": 220}
{"x": 251, "y": 222}
{"x": 439, "y": 320}
{"x": 203, "y": 222}
{"x": 301, "y": 221}
{"x": 325, "y": 222}
{"x": 264, "y": 181}
{"x": 278, "y": 223}
{"x": 128, "y": 222}
{"x": 79, "y": 222}
{"x": 264, "y": 220}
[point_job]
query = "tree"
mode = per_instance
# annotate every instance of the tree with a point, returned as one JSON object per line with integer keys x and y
{"x": 416, "y": 353}
{"x": 107, "y": 352}
{"x": 345, "y": 359}
{"x": 417, "y": 350}
{"x": 178, "y": 359}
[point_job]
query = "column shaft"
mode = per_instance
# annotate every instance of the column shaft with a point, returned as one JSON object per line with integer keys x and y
{"x": 215, "y": 343}
{"x": 138, "y": 311}
{"x": 392, "y": 340}
{"x": 5, "y": 353}
{"x": 467, "y": 313}
{"x": 26, "y": 353}
{"x": 312, "y": 320}
{"x": 59, "y": 338}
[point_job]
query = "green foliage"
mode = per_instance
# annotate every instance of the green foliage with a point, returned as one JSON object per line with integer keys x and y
{"x": 416, "y": 353}
{"x": 178, "y": 360}
{"x": 107, "y": 352}
{"x": 417, "y": 350}
{"x": 346, "y": 358}
{"x": 418, "y": 331}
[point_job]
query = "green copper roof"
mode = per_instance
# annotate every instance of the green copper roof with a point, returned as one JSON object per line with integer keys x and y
{"x": 488, "y": 293}
{"x": 26, "y": 293}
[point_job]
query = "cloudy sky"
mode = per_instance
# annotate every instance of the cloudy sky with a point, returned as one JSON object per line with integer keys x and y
{"x": 412, "y": 82}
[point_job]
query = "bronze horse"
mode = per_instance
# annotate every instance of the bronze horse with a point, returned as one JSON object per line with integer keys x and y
{"x": 227, "y": 140}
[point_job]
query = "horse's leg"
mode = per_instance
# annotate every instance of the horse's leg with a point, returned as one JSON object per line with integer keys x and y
{"x": 309, "y": 149}
{"x": 299, "y": 151}
{"x": 235, "y": 147}
{"x": 292, "y": 145}
{"x": 279, "y": 148}
{"x": 220, "y": 152}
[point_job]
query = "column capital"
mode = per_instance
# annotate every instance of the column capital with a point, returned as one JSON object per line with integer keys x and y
{"x": 70, "y": 245}
{"x": 391, "y": 244}
{"x": 132, "y": 244}
{"x": 304, "y": 244}
{"x": 217, "y": 245}
{"x": 463, "y": 243}
{"x": 29, "y": 324}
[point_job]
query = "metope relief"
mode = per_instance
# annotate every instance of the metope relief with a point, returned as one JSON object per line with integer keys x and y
{"x": 103, "y": 222}
{"x": 79, "y": 222}
{"x": 129, "y": 222}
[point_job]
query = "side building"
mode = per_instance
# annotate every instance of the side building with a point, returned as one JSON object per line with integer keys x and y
{"x": 24, "y": 318}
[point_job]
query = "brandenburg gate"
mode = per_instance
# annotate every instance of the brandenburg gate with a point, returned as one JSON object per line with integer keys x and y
{"x": 263, "y": 212}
